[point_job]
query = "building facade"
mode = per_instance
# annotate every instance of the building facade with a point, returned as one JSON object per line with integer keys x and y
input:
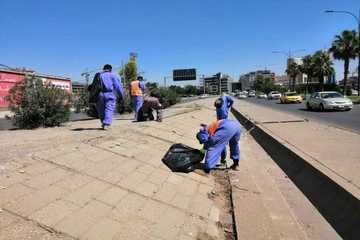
{"x": 247, "y": 80}
{"x": 8, "y": 79}
{"x": 217, "y": 84}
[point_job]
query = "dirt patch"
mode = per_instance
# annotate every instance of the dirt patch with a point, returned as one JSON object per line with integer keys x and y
{"x": 221, "y": 195}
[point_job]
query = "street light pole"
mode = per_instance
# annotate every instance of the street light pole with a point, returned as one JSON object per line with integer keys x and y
{"x": 357, "y": 18}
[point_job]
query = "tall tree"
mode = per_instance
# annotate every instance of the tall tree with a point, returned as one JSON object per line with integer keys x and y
{"x": 344, "y": 48}
{"x": 293, "y": 70}
{"x": 308, "y": 68}
{"x": 322, "y": 66}
{"x": 129, "y": 71}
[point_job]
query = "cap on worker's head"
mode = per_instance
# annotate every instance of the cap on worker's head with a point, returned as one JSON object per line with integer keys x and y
{"x": 140, "y": 78}
{"x": 107, "y": 67}
{"x": 218, "y": 103}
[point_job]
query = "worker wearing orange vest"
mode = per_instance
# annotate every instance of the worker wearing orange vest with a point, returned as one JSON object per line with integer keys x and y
{"x": 216, "y": 137}
{"x": 137, "y": 89}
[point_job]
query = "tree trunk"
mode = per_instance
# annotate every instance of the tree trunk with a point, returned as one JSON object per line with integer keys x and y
{"x": 321, "y": 80}
{"x": 293, "y": 83}
{"x": 346, "y": 71}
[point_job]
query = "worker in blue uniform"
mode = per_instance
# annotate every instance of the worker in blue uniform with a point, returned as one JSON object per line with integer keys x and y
{"x": 223, "y": 105}
{"x": 137, "y": 89}
{"x": 106, "y": 102}
{"x": 216, "y": 137}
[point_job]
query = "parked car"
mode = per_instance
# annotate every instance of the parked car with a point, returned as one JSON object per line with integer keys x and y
{"x": 242, "y": 95}
{"x": 251, "y": 94}
{"x": 329, "y": 100}
{"x": 262, "y": 95}
{"x": 274, "y": 95}
{"x": 291, "y": 97}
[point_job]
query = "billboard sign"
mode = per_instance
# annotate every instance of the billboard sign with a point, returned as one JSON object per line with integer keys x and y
{"x": 184, "y": 74}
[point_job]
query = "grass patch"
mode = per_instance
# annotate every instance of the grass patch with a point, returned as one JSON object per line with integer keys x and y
{"x": 354, "y": 99}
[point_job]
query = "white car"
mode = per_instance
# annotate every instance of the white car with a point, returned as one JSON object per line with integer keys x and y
{"x": 329, "y": 101}
{"x": 242, "y": 95}
{"x": 274, "y": 95}
{"x": 262, "y": 95}
{"x": 251, "y": 94}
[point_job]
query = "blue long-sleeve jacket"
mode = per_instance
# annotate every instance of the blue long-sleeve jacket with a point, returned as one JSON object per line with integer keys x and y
{"x": 223, "y": 111}
{"x": 111, "y": 82}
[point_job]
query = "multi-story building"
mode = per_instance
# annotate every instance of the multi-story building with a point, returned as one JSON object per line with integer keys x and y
{"x": 282, "y": 80}
{"x": 217, "y": 84}
{"x": 248, "y": 80}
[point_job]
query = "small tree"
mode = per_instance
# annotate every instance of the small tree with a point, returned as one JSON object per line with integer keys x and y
{"x": 37, "y": 104}
{"x": 128, "y": 73}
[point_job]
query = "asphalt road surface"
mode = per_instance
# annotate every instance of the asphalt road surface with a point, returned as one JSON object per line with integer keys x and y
{"x": 344, "y": 119}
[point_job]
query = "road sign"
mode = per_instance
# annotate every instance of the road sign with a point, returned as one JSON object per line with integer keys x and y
{"x": 184, "y": 74}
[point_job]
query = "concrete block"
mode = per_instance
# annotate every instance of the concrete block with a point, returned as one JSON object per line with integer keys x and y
{"x": 87, "y": 192}
{"x": 166, "y": 193}
{"x": 54, "y": 212}
{"x": 35, "y": 201}
{"x": 14, "y": 192}
{"x": 105, "y": 229}
{"x": 146, "y": 189}
{"x": 73, "y": 182}
{"x": 48, "y": 178}
{"x": 112, "y": 196}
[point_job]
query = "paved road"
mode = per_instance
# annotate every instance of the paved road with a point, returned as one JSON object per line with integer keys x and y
{"x": 349, "y": 120}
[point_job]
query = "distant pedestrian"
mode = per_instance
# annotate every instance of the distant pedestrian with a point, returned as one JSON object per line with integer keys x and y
{"x": 137, "y": 89}
{"x": 216, "y": 137}
{"x": 150, "y": 104}
{"x": 107, "y": 100}
{"x": 223, "y": 105}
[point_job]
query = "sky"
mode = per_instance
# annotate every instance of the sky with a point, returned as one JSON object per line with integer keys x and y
{"x": 234, "y": 37}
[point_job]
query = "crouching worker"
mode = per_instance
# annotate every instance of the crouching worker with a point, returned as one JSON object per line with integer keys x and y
{"x": 216, "y": 137}
{"x": 150, "y": 104}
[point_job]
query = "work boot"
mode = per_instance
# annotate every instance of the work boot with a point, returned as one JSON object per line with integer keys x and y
{"x": 105, "y": 127}
{"x": 235, "y": 166}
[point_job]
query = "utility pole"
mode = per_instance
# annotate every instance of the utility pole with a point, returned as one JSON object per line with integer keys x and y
{"x": 357, "y": 18}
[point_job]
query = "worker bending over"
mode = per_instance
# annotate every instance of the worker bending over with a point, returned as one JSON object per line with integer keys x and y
{"x": 150, "y": 104}
{"x": 216, "y": 137}
{"x": 223, "y": 105}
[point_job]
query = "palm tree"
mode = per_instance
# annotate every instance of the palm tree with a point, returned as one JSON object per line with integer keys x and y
{"x": 308, "y": 68}
{"x": 344, "y": 48}
{"x": 322, "y": 67}
{"x": 292, "y": 70}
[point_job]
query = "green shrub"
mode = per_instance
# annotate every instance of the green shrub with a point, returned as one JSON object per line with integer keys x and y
{"x": 36, "y": 104}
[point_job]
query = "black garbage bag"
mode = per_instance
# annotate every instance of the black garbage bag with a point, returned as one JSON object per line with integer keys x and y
{"x": 182, "y": 158}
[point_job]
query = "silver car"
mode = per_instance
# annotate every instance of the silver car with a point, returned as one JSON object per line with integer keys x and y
{"x": 329, "y": 101}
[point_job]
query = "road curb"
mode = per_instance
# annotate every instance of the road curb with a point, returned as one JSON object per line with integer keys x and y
{"x": 339, "y": 207}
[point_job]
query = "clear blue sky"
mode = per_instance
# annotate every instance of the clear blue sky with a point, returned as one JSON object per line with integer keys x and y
{"x": 65, "y": 37}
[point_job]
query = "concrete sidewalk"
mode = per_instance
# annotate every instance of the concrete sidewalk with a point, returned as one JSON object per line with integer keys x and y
{"x": 78, "y": 182}
{"x": 333, "y": 151}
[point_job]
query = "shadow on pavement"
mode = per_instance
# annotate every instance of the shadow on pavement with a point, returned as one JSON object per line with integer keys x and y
{"x": 86, "y": 129}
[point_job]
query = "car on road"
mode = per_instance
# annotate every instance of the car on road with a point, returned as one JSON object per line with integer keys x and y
{"x": 262, "y": 95}
{"x": 291, "y": 97}
{"x": 274, "y": 95}
{"x": 329, "y": 101}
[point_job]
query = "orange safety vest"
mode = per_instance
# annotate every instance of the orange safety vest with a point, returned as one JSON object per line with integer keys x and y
{"x": 213, "y": 126}
{"x": 135, "y": 89}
